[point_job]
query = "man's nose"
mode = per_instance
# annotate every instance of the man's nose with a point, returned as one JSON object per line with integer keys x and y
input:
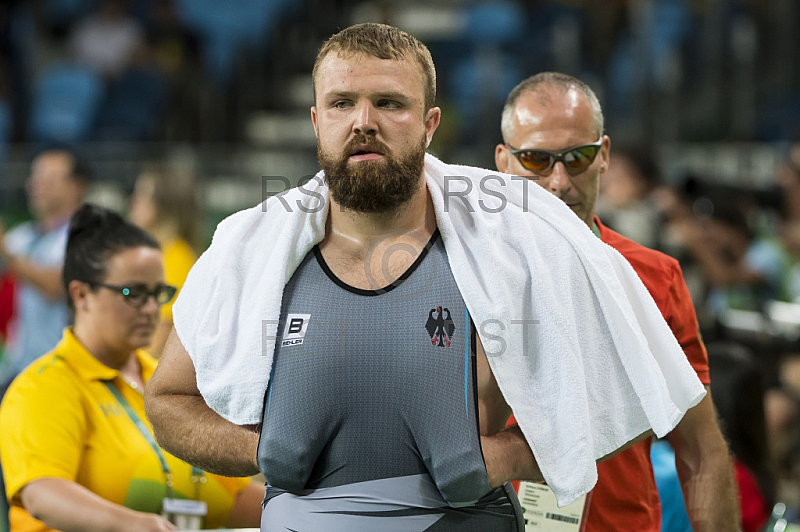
{"x": 364, "y": 122}
{"x": 558, "y": 182}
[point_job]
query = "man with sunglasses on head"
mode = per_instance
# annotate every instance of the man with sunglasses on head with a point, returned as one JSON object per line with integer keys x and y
{"x": 552, "y": 127}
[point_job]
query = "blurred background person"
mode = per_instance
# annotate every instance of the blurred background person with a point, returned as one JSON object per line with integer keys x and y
{"x": 736, "y": 382}
{"x": 33, "y": 253}
{"x": 624, "y": 203}
{"x": 743, "y": 269}
{"x": 110, "y": 40}
{"x": 782, "y": 398}
{"x": 744, "y": 245}
{"x": 164, "y": 203}
{"x": 77, "y": 451}
{"x": 787, "y": 179}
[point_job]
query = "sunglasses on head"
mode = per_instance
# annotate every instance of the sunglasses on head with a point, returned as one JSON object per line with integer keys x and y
{"x": 136, "y": 295}
{"x": 575, "y": 159}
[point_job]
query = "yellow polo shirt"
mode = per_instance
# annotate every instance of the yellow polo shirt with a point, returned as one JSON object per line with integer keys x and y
{"x": 178, "y": 260}
{"x": 58, "y": 419}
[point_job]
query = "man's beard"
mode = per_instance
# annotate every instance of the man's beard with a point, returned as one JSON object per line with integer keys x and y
{"x": 372, "y": 187}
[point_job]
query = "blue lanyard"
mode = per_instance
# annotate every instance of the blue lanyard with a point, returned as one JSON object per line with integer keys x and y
{"x": 198, "y": 476}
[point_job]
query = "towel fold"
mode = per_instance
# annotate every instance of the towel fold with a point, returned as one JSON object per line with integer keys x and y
{"x": 579, "y": 349}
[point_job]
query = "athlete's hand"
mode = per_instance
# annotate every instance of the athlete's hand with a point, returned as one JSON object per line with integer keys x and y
{"x": 493, "y": 457}
{"x": 508, "y": 457}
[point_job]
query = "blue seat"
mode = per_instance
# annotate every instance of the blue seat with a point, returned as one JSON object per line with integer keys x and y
{"x": 134, "y": 107}
{"x": 231, "y": 27}
{"x": 478, "y": 87}
{"x": 671, "y": 25}
{"x": 495, "y": 22}
{"x": 64, "y": 13}
{"x": 672, "y": 28}
{"x": 65, "y": 104}
{"x": 489, "y": 68}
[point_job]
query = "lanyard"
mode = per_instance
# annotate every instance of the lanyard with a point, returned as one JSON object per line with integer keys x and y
{"x": 198, "y": 476}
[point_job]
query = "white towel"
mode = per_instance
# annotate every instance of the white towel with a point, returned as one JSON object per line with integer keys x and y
{"x": 597, "y": 368}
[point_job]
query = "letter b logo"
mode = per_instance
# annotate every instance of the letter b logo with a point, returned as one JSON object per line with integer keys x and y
{"x": 295, "y": 326}
{"x": 295, "y": 330}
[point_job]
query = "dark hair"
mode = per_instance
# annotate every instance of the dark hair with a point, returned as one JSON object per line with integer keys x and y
{"x": 81, "y": 172}
{"x": 731, "y": 213}
{"x": 737, "y": 387}
{"x": 95, "y": 235}
{"x": 641, "y": 156}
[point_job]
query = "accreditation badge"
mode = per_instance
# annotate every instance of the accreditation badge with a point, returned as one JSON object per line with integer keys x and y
{"x": 542, "y": 514}
{"x": 185, "y": 514}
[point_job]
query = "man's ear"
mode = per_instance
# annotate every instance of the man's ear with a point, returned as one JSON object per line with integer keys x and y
{"x": 314, "y": 120}
{"x": 432, "y": 118}
{"x": 501, "y": 161}
{"x": 605, "y": 154}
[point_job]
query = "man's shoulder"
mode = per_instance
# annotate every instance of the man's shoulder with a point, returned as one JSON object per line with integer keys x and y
{"x": 46, "y": 248}
{"x": 21, "y": 233}
{"x": 642, "y": 258}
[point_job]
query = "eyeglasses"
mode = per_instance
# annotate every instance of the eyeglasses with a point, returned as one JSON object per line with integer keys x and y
{"x": 576, "y": 159}
{"x": 137, "y": 295}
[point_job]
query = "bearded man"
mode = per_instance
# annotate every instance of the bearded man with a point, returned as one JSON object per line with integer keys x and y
{"x": 371, "y": 404}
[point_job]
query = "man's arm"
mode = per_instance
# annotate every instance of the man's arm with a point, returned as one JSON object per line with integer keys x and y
{"x": 46, "y": 279}
{"x": 509, "y": 457}
{"x": 705, "y": 470}
{"x": 711, "y": 254}
{"x": 185, "y": 426}
{"x": 506, "y": 451}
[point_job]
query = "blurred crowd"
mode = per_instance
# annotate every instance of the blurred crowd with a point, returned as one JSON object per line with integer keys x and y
{"x": 738, "y": 248}
{"x": 182, "y": 70}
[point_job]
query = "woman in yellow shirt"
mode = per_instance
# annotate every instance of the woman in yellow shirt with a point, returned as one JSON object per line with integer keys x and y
{"x": 78, "y": 453}
{"x": 164, "y": 203}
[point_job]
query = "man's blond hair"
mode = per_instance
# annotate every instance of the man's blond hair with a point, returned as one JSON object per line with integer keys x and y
{"x": 384, "y": 42}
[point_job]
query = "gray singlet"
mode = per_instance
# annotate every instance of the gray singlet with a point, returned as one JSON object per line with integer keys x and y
{"x": 370, "y": 417}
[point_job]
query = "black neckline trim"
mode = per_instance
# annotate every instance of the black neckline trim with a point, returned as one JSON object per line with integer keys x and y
{"x": 380, "y": 291}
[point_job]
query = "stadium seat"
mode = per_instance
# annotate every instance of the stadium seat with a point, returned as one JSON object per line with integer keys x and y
{"x": 495, "y": 22}
{"x": 229, "y": 28}
{"x": 134, "y": 107}
{"x": 64, "y": 13}
{"x": 65, "y": 104}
